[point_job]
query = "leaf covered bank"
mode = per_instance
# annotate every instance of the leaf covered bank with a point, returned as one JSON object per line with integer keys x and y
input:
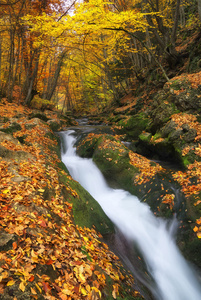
{"x": 46, "y": 250}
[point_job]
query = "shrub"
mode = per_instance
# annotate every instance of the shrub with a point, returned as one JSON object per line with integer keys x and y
{"x": 42, "y": 104}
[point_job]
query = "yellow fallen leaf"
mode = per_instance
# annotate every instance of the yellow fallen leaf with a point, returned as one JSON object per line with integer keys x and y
{"x": 199, "y": 235}
{"x": 22, "y": 286}
{"x": 33, "y": 291}
{"x": 10, "y": 282}
{"x": 6, "y": 191}
{"x": 38, "y": 288}
{"x": 83, "y": 291}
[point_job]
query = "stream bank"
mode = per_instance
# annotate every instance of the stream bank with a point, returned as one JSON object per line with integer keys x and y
{"x": 167, "y": 271}
{"x": 163, "y": 125}
{"x": 38, "y": 197}
{"x": 47, "y": 251}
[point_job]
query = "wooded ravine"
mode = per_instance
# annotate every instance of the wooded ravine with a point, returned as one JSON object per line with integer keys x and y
{"x": 132, "y": 71}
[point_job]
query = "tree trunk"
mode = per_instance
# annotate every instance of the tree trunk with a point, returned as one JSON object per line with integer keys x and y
{"x": 199, "y": 9}
{"x": 29, "y": 95}
{"x": 56, "y": 76}
{"x": 11, "y": 65}
{"x": 0, "y": 62}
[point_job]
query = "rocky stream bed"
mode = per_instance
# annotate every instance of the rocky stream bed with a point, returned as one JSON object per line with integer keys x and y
{"x": 53, "y": 233}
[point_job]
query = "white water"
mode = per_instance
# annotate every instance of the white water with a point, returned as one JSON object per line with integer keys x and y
{"x": 173, "y": 275}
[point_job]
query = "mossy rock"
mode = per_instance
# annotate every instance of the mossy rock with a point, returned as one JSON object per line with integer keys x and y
{"x": 41, "y": 104}
{"x": 153, "y": 146}
{"x": 193, "y": 250}
{"x": 39, "y": 115}
{"x": 13, "y": 127}
{"x": 86, "y": 147}
{"x": 54, "y": 124}
{"x": 113, "y": 160}
{"x": 145, "y": 137}
{"x": 161, "y": 115}
{"x": 134, "y": 125}
{"x": 86, "y": 210}
{"x": 194, "y": 211}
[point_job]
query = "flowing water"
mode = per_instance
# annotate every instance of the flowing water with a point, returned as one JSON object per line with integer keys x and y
{"x": 173, "y": 276}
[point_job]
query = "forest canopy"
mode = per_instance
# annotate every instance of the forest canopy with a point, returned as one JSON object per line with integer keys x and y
{"x": 74, "y": 55}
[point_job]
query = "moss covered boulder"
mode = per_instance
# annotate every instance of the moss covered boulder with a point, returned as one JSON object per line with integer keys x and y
{"x": 166, "y": 192}
{"x": 133, "y": 172}
{"x": 132, "y": 126}
{"x": 86, "y": 211}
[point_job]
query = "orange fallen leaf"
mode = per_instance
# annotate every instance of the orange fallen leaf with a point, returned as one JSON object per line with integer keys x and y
{"x": 46, "y": 286}
{"x": 14, "y": 245}
{"x": 49, "y": 262}
{"x": 62, "y": 296}
{"x": 31, "y": 278}
{"x": 42, "y": 223}
{"x": 199, "y": 234}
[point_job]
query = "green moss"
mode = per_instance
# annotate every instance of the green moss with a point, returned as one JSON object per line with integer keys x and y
{"x": 12, "y": 128}
{"x": 194, "y": 211}
{"x": 40, "y": 116}
{"x": 193, "y": 251}
{"x": 176, "y": 85}
{"x": 86, "y": 147}
{"x": 86, "y": 210}
{"x": 125, "y": 291}
{"x": 134, "y": 125}
{"x": 156, "y": 136}
{"x": 56, "y": 145}
{"x": 145, "y": 137}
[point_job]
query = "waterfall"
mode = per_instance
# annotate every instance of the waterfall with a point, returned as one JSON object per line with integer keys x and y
{"x": 174, "y": 277}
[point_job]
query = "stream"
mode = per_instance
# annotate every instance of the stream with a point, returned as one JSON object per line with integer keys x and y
{"x": 172, "y": 277}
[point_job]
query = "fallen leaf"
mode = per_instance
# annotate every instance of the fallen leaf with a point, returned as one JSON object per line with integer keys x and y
{"x": 31, "y": 278}
{"x": 14, "y": 245}
{"x": 33, "y": 291}
{"x": 22, "y": 286}
{"x": 10, "y": 282}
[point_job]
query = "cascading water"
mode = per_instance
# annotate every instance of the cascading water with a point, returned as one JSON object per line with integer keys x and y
{"x": 174, "y": 277}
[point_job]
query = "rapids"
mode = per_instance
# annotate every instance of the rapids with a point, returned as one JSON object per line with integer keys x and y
{"x": 173, "y": 277}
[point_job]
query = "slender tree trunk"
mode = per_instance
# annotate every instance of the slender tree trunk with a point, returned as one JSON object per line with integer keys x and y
{"x": 176, "y": 21}
{"x": 56, "y": 76}
{"x": 199, "y": 9}
{"x": 32, "y": 81}
{"x": 16, "y": 69}
{"x": 21, "y": 69}
{"x": 11, "y": 64}
{"x": 0, "y": 62}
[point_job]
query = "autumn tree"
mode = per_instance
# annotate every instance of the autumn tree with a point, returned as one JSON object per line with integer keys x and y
{"x": 20, "y": 55}
{"x": 87, "y": 58}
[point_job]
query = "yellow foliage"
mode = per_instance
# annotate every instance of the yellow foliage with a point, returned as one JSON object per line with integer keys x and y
{"x": 42, "y": 104}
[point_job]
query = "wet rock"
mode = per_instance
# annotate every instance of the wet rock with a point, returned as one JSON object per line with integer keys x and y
{"x": 8, "y": 137}
{"x": 190, "y": 135}
{"x": 168, "y": 128}
{"x": 175, "y": 135}
{"x": 12, "y": 127}
{"x": 185, "y": 128}
{"x": 54, "y": 124}
{"x": 17, "y": 155}
{"x": 6, "y": 240}
{"x": 29, "y": 124}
